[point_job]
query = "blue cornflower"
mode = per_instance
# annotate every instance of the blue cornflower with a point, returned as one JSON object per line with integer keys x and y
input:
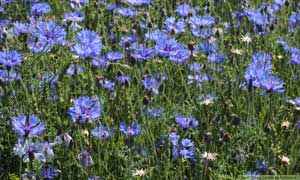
{"x": 39, "y": 9}
{"x": 259, "y": 67}
{"x": 272, "y": 84}
{"x": 85, "y": 109}
{"x": 187, "y": 122}
{"x": 195, "y": 67}
{"x": 150, "y": 83}
{"x": 20, "y": 28}
{"x": 49, "y": 172}
{"x": 208, "y": 48}
{"x": 126, "y": 12}
{"x": 215, "y": 58}
{"x": 89, "y": 44}
{"x": 48, "y": 34}
{"x": 185, "y": 149}
{"x": 7, "y": 77}
{"x": 198, "y": 78}
{"x": 107, "y": 84}
{"x": 31, "y": 127}
{"x": 143, "y": 54}
{"x": 100, "y": 62}
{"x": 295, "y": 56}
{"x": 179, "y": 56}
{"x": 72, "y": 70}
{"x": 165, "y": 47}
{"x": 185, "y": 10}
{"x": 75, "y": 16}
{"x": 102, "y": 132}
{"x": 156, "y": 35}
{"x": 129, "y": 41}
{"x": 131, "y": 131}
{"x": 261, "y": 164}
{"x": 201, "y": 21}
{"x": 139, "y": 2}
{"x": 123, "y": 78}
{"x": 114, "y": 56}
{"x": 171, "y": 25}
{"x": 85, "y": 158}
{"x": 48, "y": 78}
{"x": 153, "y": 112}
{"x": 298, "y": 124}
{"x": 294, "y": 21}
{"x": 10, "y": 58}
{"x": 111, "y": 7}
{"x": 39, "y": 151}
{"x": 253, "y": 175}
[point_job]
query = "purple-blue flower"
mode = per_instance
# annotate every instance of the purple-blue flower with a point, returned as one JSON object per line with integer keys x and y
{"x": 89, "y": 44}
{"x": 40, "y": 9}
{"x": 102, "y": 133}
{"x": 49, "y": 172}
{"x": 130, "y": 131}
{"x": 150, "y": 83}
{"x": 10, "y": 58}
{"x": 184, "y": 10}
{"x": 47, "y": 35}
{"x": 271, "y": 84}
{"x": 172, "y": 25}
{"x": 85, "y": 158}
{"x": 107, "y": 84}
{"x": 114, "y": 56}
{"x": 186, "y": 122}
{"x": 143, "y": 54}
{"x": 28, "y": 127}
{"x": 126, "y": 12}
{"x": 85, "y": 109}
{"x": 6, "y": 76}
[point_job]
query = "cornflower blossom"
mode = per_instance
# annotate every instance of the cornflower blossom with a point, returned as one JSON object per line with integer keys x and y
{"x": 150, "y": 83}
{"x": 85, "y": 109}
{"x": 39, "y": 9}
{"x": 139, "y": 2}
{"x": 143, "y": 54}
{"x": 131, "y": 130}
{"x": 10, "y": 76}
{"x": 187, "y": 122}
{"x": 272, "y": 84}
{"x": 89, "y": 44}
{"x": 37, "y": 150}
{"x": 185, "y": 148}
{"x": 200, "y": 26}
{"x": 102, "y": 133}
{"x": 259, "y": 67}
{"x": 74, "y": 69}
{"x": 85, "y": 158}
{"x": 49, "y": 172}
{"x": 10, "y": 58}
{"x": 114, "y": 56}
{"x": 31, "y": 126}
{"x": 172, "y": 25}
{"x": 126, "y": 12}
{"x": 45, "y": 36}
{"x": 185, "y": 10}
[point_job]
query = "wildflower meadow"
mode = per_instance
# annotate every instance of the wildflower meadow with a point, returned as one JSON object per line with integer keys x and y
{"x": 149, "y": 89}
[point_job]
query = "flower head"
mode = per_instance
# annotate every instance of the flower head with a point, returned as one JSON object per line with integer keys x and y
{"x": 85, "y": 109}
{"x": 40, "y": 9}
{"x": 131, "y": 131}
{"x": 10, "y": 58}
{"x": 89, "y": 44}
{"x": 31, "y": 127}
